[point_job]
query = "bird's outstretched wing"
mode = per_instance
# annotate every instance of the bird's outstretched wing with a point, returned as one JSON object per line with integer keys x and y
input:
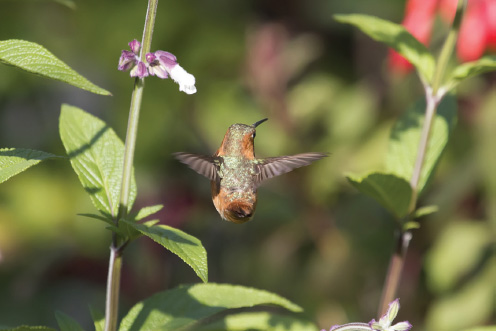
{"x": 275, "y": 166}
{"x": 203, "y": 164}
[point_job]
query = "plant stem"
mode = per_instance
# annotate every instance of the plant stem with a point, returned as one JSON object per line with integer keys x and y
{"x": 116, "y": 248}
{"x": 394, "y": 271}
{"x": 113, "y": 282}
{"x": 132, "y": 125}
{"x": 433, "y": 95}
{"x": 449, "y": 45}
{"x": 430, "y": 111}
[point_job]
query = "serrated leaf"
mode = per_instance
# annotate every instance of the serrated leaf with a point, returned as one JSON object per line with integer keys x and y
{"x": 470, "y": 69}
{"x": 405, "y": 138}
{"x": 98, "y": 319}
{"x": 396, "y": 37}
{"x": 96, "y": 155}
{"x": 258, "y": 321}
{"x": 147, "y": 211}
{"x": 127, "y": 231}
{"x": 392, "y": 192}
{"x": 186, "y": 305}
{"x": 36, "y": 59}
{"x": 15, "y": 160}
{"x": 187, "y": 247}
{"x": 66, "y": 323}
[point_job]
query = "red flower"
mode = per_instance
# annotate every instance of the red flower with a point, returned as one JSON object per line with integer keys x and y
{"x": 477, "y": 32}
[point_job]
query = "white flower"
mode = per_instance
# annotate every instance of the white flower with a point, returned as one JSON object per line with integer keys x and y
{"x": 386, "y": 320}
{"x": 164, "y": 64}
{"x": 185, "y": 80}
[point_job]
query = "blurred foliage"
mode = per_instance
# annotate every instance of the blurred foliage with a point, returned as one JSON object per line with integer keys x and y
{"x": 314, "y": 239}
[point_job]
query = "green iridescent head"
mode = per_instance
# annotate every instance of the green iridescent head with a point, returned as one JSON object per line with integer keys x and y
{"x": 237, "y": 135}
{"x": 238, "y": 131}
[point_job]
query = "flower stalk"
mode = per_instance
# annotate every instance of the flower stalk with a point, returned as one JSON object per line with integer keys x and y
{"x": 434, "y": 93}
{"x": 115, "y": 263}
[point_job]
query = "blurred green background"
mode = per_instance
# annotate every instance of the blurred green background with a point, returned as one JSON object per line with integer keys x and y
{"x": 314, "y": 239}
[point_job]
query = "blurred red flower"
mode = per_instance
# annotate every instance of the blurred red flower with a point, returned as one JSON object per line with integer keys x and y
{"x": 477, "y": 32}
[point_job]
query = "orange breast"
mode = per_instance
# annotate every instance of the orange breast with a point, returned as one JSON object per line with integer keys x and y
{"x": 231, "y": 208}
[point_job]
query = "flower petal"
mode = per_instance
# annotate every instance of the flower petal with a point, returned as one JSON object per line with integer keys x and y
{"x": 126, "y": 61}
{"x": 185, "y": 80}
{"x": 402, "y": 326}
{"x": 139, "y": 70}
{"x": 393, "y": 309}
{"x": 159, "y": 71}
{"x": 166, "y": 59}
{"x": 374, "y": 325}
{"x": 473, "y": 33}
{"x": 135, "y": 46}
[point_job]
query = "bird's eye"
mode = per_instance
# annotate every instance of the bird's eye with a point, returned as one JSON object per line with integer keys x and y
{"x": 253, "y": 135}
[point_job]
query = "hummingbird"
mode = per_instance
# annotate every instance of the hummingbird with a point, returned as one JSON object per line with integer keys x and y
{"x": 235, "y": 173}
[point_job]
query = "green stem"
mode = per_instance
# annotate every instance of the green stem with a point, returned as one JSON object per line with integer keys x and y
{"x": 433, "y": 95}
{"x": 430, "y": 111}
{"x": 449, "y": 45}
{"x": 115, "y": 263}
{"x": 113, "y": 282}
{"x": 132, "y": 126}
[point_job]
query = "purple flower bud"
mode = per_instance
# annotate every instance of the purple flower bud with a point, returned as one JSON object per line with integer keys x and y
{"x": 150, "y": 58}
{"x": 139, "y": 70}
{"x": 126, "y": 61}
{"x": 135, "y": 46}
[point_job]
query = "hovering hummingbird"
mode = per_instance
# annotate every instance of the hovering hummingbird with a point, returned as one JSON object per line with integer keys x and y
{"x": 235, "y": 173}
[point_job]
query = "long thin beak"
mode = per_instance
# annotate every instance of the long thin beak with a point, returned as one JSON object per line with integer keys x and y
{"x": 259, "y": 122}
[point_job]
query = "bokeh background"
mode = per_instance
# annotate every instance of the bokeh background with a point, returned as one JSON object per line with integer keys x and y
{"x": 314, "y": 239}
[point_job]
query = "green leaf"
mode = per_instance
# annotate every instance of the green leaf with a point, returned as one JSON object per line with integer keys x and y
{"x": 187, "y": 247}
{"x": 397, "y": 37}
{"x": 186, "y": 305}
{"x": 66, "y": 323}
{"x": 98, "y": 319}
{"x": 405, "y": 138}
{"x": 424, "y": 211}
{"x": 255, "y": 321}
{"x": 99, "y": 217}
{"x": 29, "y": 328}
{"x": 392, "y": 192}
{"x": 36, "y": 59}
{"x": 96, "y": 155}
{"x": 469, "y": 70}
{"x": 407, "y": 226}
{"x": 15, "y": 160}
{"x": 147, "y": 211}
